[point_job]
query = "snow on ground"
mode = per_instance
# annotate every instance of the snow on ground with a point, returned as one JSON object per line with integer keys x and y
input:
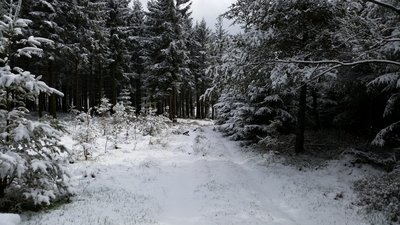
{"x": 9, "y": 219}
{"x": 202, "y": 179}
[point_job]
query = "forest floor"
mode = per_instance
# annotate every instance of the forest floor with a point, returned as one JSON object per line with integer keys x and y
{"x": 203, "y": 179}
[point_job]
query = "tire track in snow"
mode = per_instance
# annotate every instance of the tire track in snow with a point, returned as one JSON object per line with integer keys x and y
{"x": 249, "y": 180}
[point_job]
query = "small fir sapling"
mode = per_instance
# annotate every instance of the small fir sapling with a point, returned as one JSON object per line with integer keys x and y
{"x": 73, "y": 112}
{"x": 152, "y": 124}
{"x": 104, "y": 111}
{"x": 86, "y": 135}
{"x": 119, "y": 121}
{"x": 131, "y": 118}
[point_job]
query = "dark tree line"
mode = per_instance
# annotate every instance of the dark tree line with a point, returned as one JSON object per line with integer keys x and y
{"x": 101, "y": 47}
{"x": 298, "y": 65}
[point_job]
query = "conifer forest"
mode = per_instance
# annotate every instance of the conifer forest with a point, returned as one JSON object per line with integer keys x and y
{"x": 117, "y": 112}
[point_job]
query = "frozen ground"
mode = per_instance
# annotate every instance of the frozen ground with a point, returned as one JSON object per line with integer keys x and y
{"x": 202, "y": 179}
{"x": 9, "y": 219}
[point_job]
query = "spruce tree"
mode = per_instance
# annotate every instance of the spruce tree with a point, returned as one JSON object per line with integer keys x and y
{"x": 30, "y": 150}
{"x": 166, "y": 54}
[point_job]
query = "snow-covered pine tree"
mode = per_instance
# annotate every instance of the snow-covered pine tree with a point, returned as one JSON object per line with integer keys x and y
{"x": 136, "y": 43}
{"x": 199, "y": 64}
{"x": 96, "y": 71}
{"x": 130, "y": 115}
{"x": 217, "y": 47}
{"x": 125, "y": 97}
{"x": 44, "y": 24}
{"x": 103, "y": 109}
{"x": 166, "y": 54}
{"x": 85, "y": 135}
{"x": 30, "y": 161}
{"x": 269, "y": 36}
{"x": 118, "y": 53}
{"x": 384, "y": 36}
{"x": 119, "y": 122}
{"x": 76, "y": 35}
{"x": 185, "y": 96}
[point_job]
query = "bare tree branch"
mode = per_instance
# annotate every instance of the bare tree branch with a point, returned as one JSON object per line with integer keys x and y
{"x": 339, "y": 63}
{"x": 386, "y": 5}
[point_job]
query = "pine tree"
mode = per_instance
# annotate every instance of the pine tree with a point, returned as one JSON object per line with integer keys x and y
{"x": 85, "y": 135}
{"x": 199, "y": 65}
{"x": 299, "y": 35}
{"x": 218, "y": 45}
{"x": 136, "y": 44}
{"x": 30, "y": 150}
{"x": 166, "y": 54}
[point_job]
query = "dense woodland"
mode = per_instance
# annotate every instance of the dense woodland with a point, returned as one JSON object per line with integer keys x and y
{"x": 100, "y": 48}
{"x": 297, "y": 65}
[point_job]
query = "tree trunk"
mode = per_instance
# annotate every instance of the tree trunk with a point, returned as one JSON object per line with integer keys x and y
{"x": 78, "y": 88}
{"x": 138, "y": 94}
{"x": 187, "y": 104}
{"x": 52, "y": 98}
{"x": 172, "y": 105}
{"x": 301, "y": 117}
{"x": 42, "y": 104}
{"x": 212, "y": 111}
{"x": 191, "y": 105}
{"x": 198, "y": 107}
{"x": 64, "y": 99}
{"x": 182, "y": 104}
{"x": 315, "y": 110}
{"x": 3, "y": 186}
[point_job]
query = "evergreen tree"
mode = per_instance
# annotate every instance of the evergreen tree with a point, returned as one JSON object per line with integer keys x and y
{"x": 166, "y": 54}
{"x": 218, "y": 45}
{"x": 29, "y": 155}
{"x": 136, "y": 45}
{"x": 199, "y": 65}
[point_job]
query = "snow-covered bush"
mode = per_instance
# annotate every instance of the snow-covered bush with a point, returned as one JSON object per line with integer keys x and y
{"x": 104, "y": 118}
{"x": 119, "y": 121}
{"x": 152, "y": 125}
{"x": 131, "y": 117}
{"x": 31, "y": 156}
{"x": 104, "y": 112}
{"x": 85, "y": 134}
{"x": 381, "y": 194}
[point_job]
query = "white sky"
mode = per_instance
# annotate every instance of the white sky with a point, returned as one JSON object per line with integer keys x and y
{"x": 209, "y": 10}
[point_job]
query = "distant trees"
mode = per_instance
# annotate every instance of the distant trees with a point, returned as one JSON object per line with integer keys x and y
{"x": 298, "y": 65}
{"x": 101, "y": 47}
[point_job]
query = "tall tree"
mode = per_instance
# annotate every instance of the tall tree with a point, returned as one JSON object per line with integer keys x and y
{"x": 199, "y": 65}
{"x": 136, "y": 45}
{"x": 166, "y": 54}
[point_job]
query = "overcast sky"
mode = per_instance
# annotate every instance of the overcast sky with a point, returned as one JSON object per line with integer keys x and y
{"x": 209, "y": 10}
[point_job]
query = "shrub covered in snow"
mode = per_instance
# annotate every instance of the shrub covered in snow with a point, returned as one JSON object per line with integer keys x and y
{"x": 119, "y": 121}
{"x": 152, "y": 125}
{"x": 381, "y": 194}
{"x": 85, "y": 134}
{"x": 103, "y": 109}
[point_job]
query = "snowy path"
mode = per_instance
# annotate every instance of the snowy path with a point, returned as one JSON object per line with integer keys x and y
{"x": 201, "y": 179}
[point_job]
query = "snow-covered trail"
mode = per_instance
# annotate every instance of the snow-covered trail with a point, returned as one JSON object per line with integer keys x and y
{"x": 201, "y": 179}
